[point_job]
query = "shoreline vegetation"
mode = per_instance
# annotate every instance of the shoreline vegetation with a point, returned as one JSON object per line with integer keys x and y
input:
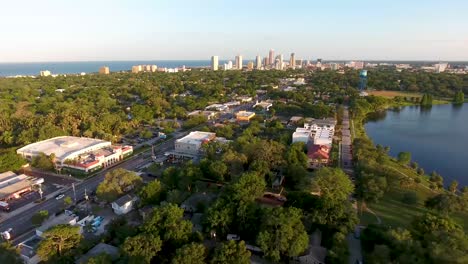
{"x": 409, "y": 216}
{"x": 395, "y": 205}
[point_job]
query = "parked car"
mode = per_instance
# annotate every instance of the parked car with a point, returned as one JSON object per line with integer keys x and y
{"x": 233, "y": 237}
{"x": 60, "y": 196}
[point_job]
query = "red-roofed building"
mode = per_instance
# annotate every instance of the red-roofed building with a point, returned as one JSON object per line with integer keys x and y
{"x": 318, "y": 155}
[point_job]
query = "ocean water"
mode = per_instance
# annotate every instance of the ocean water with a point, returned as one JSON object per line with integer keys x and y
{"x": 33, "y": 68}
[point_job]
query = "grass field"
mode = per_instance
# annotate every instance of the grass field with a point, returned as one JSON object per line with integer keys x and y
{"x": 391, "y": 94}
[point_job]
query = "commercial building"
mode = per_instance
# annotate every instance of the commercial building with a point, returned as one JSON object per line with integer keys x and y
{"x": 244, "y": 116}
{"x": 239, "y": 65}
{"x": 77, "y": 154}
{"x": 317, "y": 134}
{"x": 44, "y": 73}
{"x": 12, "y": 186}
{"x": 190, "y": 145}
{"x": 104, "y": 70}
{"x": 250, "y": 65}
{"x": 208, "y": 114}
{"x": 154, "y": 68}
{"x": 214, "y": 63}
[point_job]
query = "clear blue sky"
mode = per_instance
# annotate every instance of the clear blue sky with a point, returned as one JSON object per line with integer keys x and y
{"x": 85, "y": 30}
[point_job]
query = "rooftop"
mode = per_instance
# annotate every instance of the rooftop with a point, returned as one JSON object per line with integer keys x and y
{"x": 58, "y": 220}
{"x": 197, "y": 137}
{"x": 124, "y": 199}
{"x": 11, "y": 183}
{"x": 244, "y": 113}
{"x": 60, "y": 146}
{"x": 97, "y": 250}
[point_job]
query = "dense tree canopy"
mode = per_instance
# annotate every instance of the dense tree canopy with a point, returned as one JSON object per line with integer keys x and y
{"x": 116, "y": 183}
{"x": 59, "y": 242}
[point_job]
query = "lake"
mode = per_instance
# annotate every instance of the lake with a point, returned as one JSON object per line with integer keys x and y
{"x": 437, "y": 137}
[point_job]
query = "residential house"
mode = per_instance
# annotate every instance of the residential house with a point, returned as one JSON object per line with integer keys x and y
{"x": 124, "y": 204}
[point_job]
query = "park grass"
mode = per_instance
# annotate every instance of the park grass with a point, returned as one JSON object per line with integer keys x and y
{"x": 392, "y": 94}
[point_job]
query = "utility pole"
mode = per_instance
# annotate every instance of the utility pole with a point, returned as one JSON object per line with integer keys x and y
{"x": 74, "y": 191}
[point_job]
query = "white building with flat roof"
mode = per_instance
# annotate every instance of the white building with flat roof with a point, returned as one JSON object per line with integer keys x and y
{"x": 191, "y": 144}
{"x": 77, "y": 153}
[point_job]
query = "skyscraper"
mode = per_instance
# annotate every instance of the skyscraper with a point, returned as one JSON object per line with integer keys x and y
{"x": 258, "y": 62}
{"x": 250, "y": 65}
{"x": 239, "y": 62}
{"x": 271, "y": 57}
{"x": 292, "y": 61}
{"x": 214, "y": 63}
{"x": 265, "y": 62}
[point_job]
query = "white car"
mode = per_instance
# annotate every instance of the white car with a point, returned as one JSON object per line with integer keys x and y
{"x": 60, "y": 196}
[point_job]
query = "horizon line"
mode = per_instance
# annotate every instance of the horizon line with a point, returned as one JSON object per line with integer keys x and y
{"x": 253, "y": 59}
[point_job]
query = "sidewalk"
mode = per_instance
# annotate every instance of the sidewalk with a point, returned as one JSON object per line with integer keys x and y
{"x": 5, "y": 216}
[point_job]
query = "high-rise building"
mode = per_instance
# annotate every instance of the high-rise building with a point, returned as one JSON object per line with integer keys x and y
{"x": 292, "y": 61}
{"x": 271, "y": 57}
{"x": 281, "y": 59}
{"x": 154, "y": 68}
{"x": 214, "y": 63}
{"x": 258, "y": 62}
{"x": 147, "y": 68}
{"x": 230, "y": 65}
{"x": 440, "y": 67}
{"x": 265, "y": 62}
{"x": 104, "y": 70}
{"x": 239, "y": 62}
{"x": 136, "y": 68}
{"x": 250, "y": 65}
{"x": 44, "y": 73}
{"x": 319, "y": 63}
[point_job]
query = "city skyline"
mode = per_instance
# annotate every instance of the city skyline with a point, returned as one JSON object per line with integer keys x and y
{"x": 183, "y": 30}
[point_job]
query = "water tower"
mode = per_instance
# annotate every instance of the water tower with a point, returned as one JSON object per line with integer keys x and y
{"x": 362, "y": 80}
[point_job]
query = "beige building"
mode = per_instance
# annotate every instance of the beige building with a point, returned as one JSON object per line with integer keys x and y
{"x": 258, "y": 61}
{"x": 104, "y": 70}
{"x": 239, "y": 62}
{"x": 250, "y": 65}
{"x": 44, "y": 73}
{"x": 214, "y": 63}
{"x": 136, "y": 68}
{"x": 154, "y": 68}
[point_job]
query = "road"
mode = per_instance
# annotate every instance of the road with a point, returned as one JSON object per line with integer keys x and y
{"x": 354, "y": 244}
{"x": 22, "y": 225}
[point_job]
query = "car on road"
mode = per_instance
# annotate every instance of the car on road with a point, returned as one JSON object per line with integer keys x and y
{"x": 60, "y": 196}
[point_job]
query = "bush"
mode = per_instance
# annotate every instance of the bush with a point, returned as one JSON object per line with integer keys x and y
{"x": 410, "y": 198}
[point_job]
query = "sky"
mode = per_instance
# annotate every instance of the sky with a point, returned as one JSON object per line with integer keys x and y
{"x": 94, "y": 30}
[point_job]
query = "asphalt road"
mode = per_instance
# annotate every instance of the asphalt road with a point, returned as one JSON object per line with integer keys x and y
{"x": 21, "y": 224}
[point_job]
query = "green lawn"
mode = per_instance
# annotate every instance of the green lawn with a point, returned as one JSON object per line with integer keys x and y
{"x": 393, "y": 212}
